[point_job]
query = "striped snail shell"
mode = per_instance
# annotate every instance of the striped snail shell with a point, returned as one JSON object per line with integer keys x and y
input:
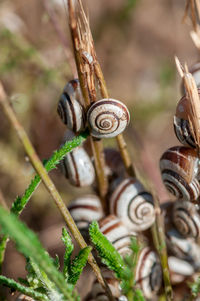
{"x": 117, "y": 233}
{"x": 78, "y": 167}
{"x": 86, "y": 209}
{"x": 186, "y": 249}
{"x": 130, "y": 202}
{"x": 179, "y": 269}
{"x": 186, "y": 219}
{"x": 70, "y": 109}
{"x": 182, "y": 127}
{"x": 148, "y": 274}
{"x": 23, "y": 297}
{"x": 107, "y": 118}
{"x": 179, "y": 167}
{"x": 98, "y": 293}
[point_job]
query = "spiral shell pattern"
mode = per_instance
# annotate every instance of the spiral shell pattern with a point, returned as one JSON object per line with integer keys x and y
{"x": 148, "y": 275}
{"x": 186, "y": 249}
{"x": 78, "y": 167}
{"x": 86, "y": 209}
{"x": 116, "y": 233}
{"x": 179, "y": 167}
{"x": 107, "y": 118}
{"x": 131, "y": 203}
{"x": 186, "y": 219}
{"x": 23, "y": 297}
{"x": 70, "y": 109}
{"x": 179, "y": 269}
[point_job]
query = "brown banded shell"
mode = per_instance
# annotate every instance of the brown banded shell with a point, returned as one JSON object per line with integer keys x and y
{"x": 179, "y": 167}
{"x": 185, "y": 249}
{"x": 78, "y": 168}
{"x": 23, "y": 297}
{"x": 179, "y": 269}
{"x": 148, "y": 275}
{"x": 186, "y": 219}
{"x": 70, "y": 108}
{"x": 86, "y": 209}
{"x": 116, "y": 232}
{"x": 130, "y": 202}
{"x": 107, "y": 118}
{"x": 181, "y": 123}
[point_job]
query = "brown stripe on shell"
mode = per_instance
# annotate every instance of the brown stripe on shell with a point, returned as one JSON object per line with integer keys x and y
{"x": 72, "y": 112}
{"x": 75, "y": 169}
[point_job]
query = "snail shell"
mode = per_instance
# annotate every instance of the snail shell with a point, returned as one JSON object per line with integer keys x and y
{"x": 131, "y": 203}
{"x": 114, "y": 163}
{"x": 179, "y": 269}
{"x": 179, "y": 167}
{"x": 86, "y": 209}
{"x": 186, "y": 249}
{"x": 70, "y": 109}
{"x": 181, "y": 122}
{"x": 98, "y": 293}
{"x": 78, "y": 167}
{"x": 186, "y": 219}
{"x": 116, "y": 232}
{"x": 23, "y": 297}
{"x": 148, "y": 275}
{"x": 107, "y": 118}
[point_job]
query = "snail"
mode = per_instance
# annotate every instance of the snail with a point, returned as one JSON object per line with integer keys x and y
{"x": 181, "y": 122}
{"x": 86, "y": 209}
{"x": 116, "y": 232}
{"x": 185, "y": 249}
{"x": 130, "y": 202}
{"x": 179, "y": 269}
{"x": 148, "y": 274}
{"x": 78, "y": 167}
{"x": 186, "y": 219}
{"x": 23, "y": 297}
{"x": 70, "y": 108}
{"x": 107, "y": 118}
{"x": 98, "y": 293}
{"x": 179, "y": 167}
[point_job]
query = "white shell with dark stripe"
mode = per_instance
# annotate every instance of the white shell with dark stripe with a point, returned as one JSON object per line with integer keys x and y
{"x": 116, "y": 232}
{"x": 107, "y": 118}
{"x": 179, "y": 167}
{"x": 183, "y": 132}
{"x": 186, "y": 219}
{"x": 23, "y": 297}
{"x": 78, "y": 167}
{"x": 131, "y": 203}
{"x": 86, "y": 209}
{"x": 179, "y": 269}
{"x": 148, "y": 275}
{"x": 70, "y": 109}
{"x": 186, "y": 249}
{"x": 98, "y": 293}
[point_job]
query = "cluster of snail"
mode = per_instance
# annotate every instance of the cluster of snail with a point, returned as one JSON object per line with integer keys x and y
{"x": 130, "y": 207}
{"x": 180, "y": 170}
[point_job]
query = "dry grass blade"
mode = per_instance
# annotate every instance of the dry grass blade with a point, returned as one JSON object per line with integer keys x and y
{"x": 190, "y": 6}
{"x": 195, "y": 35}
{"x": 193, "y": 98}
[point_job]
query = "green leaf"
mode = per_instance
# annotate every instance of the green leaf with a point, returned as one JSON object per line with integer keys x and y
{"x": 106, "y": 250}
{"x": 78, "y": 264}
{"x": 24, "y": 290}
{"x": 138, "y": 296}
{"x": 69, "y": 247}
{"x": 28, "y": 243}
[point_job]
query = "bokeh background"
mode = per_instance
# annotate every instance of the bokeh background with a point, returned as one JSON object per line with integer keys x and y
{"x": 136, "y": 41}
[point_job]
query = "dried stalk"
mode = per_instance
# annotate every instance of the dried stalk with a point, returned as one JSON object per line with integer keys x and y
{"x": 38, "y": 166}
{"x": 84, "y": 56}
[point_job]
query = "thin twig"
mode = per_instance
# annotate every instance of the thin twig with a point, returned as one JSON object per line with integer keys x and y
{"x": 38, "y": 166}
{"x": 84, "y": 55}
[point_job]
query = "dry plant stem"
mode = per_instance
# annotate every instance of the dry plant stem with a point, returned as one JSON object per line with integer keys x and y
{"x": 86, "y": 78}
{"x": 37, "y": 164}
{"x": 3, "y": 201}
{"x": 120, "y": 139}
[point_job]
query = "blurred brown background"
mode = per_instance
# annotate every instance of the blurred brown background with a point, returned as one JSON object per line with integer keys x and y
{"x": 136, "y": 41}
